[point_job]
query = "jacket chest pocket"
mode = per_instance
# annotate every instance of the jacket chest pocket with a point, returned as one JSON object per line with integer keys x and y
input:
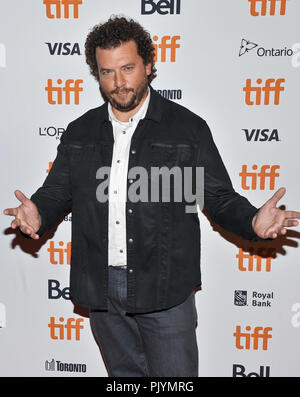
{"x": 171, "y": 154}
{"x": 82, "y": 163}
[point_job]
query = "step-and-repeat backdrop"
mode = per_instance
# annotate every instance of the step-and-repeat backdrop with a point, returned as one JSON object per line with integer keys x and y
{"x": 236, "y": 63}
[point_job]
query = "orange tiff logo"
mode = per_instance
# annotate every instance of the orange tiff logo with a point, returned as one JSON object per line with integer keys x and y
{"x": 58, "y": 5}
{"x": 248, "y": 262}
{"x": 70, "y": 86}
{"x": 263, "y": 6}
{"x": 243, "y": 339}
{"x": 167, "y": 43}
{"x": 271, "y": 85}
{"x": 50, "y": 166}
{"x": 72, "y": 327}
{"x": 266, "y": 172}
{"x": 60, "y": 255}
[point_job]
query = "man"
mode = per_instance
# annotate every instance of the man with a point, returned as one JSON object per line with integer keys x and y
{"x": 135, "y": 264}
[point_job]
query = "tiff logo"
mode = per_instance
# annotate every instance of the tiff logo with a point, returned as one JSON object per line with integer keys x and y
{"x": 2, "y": 56}
{"x": 271, "y": 85}
{"x": 161, "y": 7}
{"x": 167, "y": 43}
{"x": 62, "y": 254}
{"x": 72, "y": 326}
{"x": 262, "y": 175}
{"x": 248, "y": 262}
{"x": 49, "y": 167}
{"x": 243, "y": 339}
{"x": 58, "y": 5}
{"x": 263, "y": 5}
{"x": 70, "y": 86}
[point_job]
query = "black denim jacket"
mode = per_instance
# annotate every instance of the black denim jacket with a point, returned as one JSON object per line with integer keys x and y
{"x": 163, "y": 241}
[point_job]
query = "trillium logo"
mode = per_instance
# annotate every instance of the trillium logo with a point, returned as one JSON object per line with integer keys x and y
{"x": 246, "y": 46}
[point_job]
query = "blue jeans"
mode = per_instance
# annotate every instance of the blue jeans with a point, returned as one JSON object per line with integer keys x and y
{"x": 159, "y": 344}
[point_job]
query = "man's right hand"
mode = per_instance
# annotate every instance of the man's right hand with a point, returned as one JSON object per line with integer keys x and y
{"x": 26, "y": 216}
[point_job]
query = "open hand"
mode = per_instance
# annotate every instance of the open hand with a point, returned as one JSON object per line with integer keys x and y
{"x": 270, "y": 221}
{"x": 26, "y": 216}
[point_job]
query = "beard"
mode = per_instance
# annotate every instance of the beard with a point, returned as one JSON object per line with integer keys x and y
{"x": 135, "y": 98}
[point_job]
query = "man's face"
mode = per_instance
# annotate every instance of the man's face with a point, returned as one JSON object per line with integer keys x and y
{"x": 122, "y": 75}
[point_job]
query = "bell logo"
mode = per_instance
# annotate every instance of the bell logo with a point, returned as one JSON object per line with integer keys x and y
{"x": 167, "y": 42}
{"x": 240, "y": 370}
{"x": 263, "y": 5}
{"x": 63, "y": 254}
{"x": 262, "y": 175}
{"x": 271, "y": 85}
{"x": 161, "y": 7}
{"x": 243, "y": 339}
{"x": 248, "y": 262}
{"x": 70, "y": 325}
{"x": 58, "y": 4}
{"x": 70, "y": 86}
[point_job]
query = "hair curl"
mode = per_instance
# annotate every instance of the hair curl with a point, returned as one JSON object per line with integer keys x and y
{"x": 112, "y": 34}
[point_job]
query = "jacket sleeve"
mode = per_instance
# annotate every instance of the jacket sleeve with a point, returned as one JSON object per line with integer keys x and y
{"x": 226, "y": 207}
{"x": 54, "y": 197}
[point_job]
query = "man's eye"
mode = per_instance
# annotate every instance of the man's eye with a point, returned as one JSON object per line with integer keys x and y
{"x": 105, "y": 72}
{"x": 128, "y": 68}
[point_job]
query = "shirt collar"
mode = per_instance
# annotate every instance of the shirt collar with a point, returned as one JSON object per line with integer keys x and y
{"x": 140, "y": 114}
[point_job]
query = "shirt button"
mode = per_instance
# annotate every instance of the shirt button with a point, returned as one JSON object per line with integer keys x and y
{"x": 121, "y": 251}
{"x": 117, "y": 222}
{"x": 124, "y": 132}
{"x": 130, "y": 240}
{"x": 118, "y": 161}
{"x": 115, "y": 192}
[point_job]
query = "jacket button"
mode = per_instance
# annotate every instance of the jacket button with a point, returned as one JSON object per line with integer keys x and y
{"x": 133, "y": 151}
{"x": 130, "y": 240}
{"x": 130, "y": 181}
{"x": 130, "y": 211}
{"x": 130, "y": 270}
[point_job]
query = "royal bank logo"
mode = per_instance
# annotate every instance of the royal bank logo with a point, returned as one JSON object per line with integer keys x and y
{"x": 240, "y": 298}
{"x": 255, "y": 298}
{"x": 55, "y": 365}
{"x": 248, "y": 46}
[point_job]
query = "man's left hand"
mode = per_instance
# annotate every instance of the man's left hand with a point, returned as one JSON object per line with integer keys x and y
{"x": 270, "y": 221}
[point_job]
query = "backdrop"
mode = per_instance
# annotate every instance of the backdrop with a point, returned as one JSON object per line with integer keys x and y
{"x": 234, "y": 63}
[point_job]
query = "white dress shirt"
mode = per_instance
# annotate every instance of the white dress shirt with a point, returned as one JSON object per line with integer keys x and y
{"x": 123, "y": 131}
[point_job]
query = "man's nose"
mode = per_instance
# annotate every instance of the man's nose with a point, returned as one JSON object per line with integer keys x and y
{"x": 119, "y": 79}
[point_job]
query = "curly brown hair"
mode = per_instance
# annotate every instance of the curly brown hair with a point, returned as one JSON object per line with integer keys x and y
{"x": 112, "y": 34}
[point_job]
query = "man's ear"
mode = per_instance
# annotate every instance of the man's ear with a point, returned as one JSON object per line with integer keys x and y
{"x": 148, "y": 68}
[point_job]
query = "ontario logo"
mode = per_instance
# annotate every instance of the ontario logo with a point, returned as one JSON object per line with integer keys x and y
{"x": 247, "y": 46}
